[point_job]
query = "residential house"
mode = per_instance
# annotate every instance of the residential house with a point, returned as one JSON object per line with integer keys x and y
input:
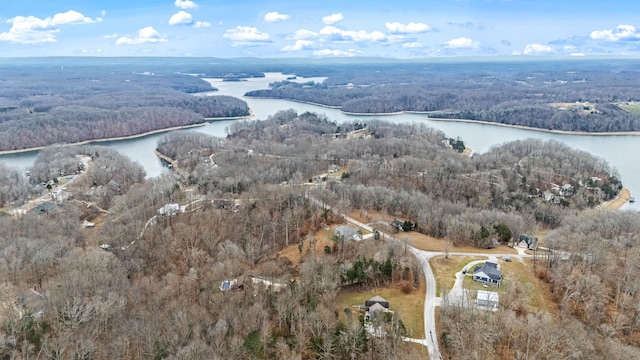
{"x": 346, "y": 232}
{"x": 397, "y": 224}
{"x": 531, "y": 241}
{"x": 374, "y": 305}
{"x": 488, "y": 273}
{"x": 487, "y": 299}
{"x": 45, "y": 208}
{"x": 169, "y": 210}
{"x": 333, "y": 168}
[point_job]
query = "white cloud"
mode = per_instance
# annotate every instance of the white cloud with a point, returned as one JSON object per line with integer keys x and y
{"x": 299, "y": 45}
{"x": 72, "y": 17}
{"x": 461, "y": 43}
{"x": 146, "y": 35}
{"x": 302, "y": 34}
{"x": 576, "y": 54}
{"x": 110, "y": 36}
{"x": 532, "y": 49}
{"x": 620, "y": 33}
{"x": 246, "y": 36}
{"x": 412, "y": 45}
{"x": 332, "y": 19}
{"x": 181, "y": 18}
{"x": 201, "y": 24}
{"x": 275, "y": 16}
{"x": 335, "y": 53}
{"x": 336, "y": 34}
{"x": 410, "y": 28}
{"x": 185, "y": 4}
{"x": 33, "y": 30}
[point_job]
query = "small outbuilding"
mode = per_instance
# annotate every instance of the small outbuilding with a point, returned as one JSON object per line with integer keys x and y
{"x": 487, "y": 299}
{"x": 346, "y": 232}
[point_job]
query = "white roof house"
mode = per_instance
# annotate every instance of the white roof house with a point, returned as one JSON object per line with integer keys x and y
{"x": 169, "y": 210}
{"x": 487, "y": 299}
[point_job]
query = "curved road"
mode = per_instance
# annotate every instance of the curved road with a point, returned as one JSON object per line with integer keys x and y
{"x": 430, "y": 303}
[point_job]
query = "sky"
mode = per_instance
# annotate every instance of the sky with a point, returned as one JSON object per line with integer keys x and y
{"x": 324, "y": 28}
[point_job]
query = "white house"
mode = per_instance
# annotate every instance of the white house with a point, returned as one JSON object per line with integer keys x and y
{"x": 487, "y": 299}
{"x": 346, "y": 232}
{"x": 169, "y": 209}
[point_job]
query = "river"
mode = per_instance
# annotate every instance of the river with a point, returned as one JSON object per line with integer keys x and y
{"x": 619, "y": 150}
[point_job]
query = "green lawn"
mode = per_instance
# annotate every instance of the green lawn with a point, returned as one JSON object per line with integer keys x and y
{"x": 631, "y": 107}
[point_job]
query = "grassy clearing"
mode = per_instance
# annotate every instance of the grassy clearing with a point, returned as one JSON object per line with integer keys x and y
{"x": 445, "y": 269}
{"x": 409, "y": 307}
{"x": 632, "y": 107}
{"x": 428, "y": 243}
{"x": 518, "y": 274}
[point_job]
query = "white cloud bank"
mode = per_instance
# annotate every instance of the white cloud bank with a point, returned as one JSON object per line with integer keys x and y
{"x": 275, "y": 16}
{"x": 620, "y": 33}
{"x": 146, "y": 35}
{"x": 246, "y": 36}
{"x": 201, "y": 24}
{"x": 302, "y": 34}
{"x": 535, "y": 49}
{"x": 335, "y": 53}
{"x": 34, "y": 30}
{"x": 299, "y": 45}
{"x": 185, "y": 4}
{"x": 181, "y": 18}
{"x": 332, "y": 19}
{"x": 352, "y": 36}
{"x": 410, "y": 28}
{"x": 461, "y": 43}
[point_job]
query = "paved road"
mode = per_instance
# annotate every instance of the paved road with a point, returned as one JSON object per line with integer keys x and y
{"x": 430, "y": 302}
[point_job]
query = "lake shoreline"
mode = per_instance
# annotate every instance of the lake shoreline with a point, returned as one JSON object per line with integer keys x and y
{"x": 129, "y": 137}
{"x": 522, "y": 127}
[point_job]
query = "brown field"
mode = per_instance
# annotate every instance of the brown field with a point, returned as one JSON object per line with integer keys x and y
{"x": 409, "y": 307}
{"x": 322, "y": 238}
{"x": 422, "y": 241}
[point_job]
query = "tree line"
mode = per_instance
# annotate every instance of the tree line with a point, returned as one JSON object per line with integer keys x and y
{"x": 520, "y": 94}
{"x": 593, "y": 285}
{"x": 45, "y": 106}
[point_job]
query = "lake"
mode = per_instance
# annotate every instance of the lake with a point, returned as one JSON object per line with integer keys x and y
{"x": 618, "y": 150}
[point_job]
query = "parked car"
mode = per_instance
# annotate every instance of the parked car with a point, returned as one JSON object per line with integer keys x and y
{"x": 506, "y": 258}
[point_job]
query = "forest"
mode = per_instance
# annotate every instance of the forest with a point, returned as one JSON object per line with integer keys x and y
{"x": 569, "y": 96}
{"x": 45, "y": 105}
{"x": 141, "y": 283}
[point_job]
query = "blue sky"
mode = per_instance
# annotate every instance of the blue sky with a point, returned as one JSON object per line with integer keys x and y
{"x": 260, "y": 28}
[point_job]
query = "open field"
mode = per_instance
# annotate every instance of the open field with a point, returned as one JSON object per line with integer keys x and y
{"x": 418, "y": 240}
{"x": 409, "y": 307}
{"x": 520, "y": 275}
{"x": 445, "y": 269}
{"x": 632, "y": 107}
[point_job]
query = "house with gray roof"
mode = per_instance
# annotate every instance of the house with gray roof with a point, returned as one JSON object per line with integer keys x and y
{"x": 488, "y": 274}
